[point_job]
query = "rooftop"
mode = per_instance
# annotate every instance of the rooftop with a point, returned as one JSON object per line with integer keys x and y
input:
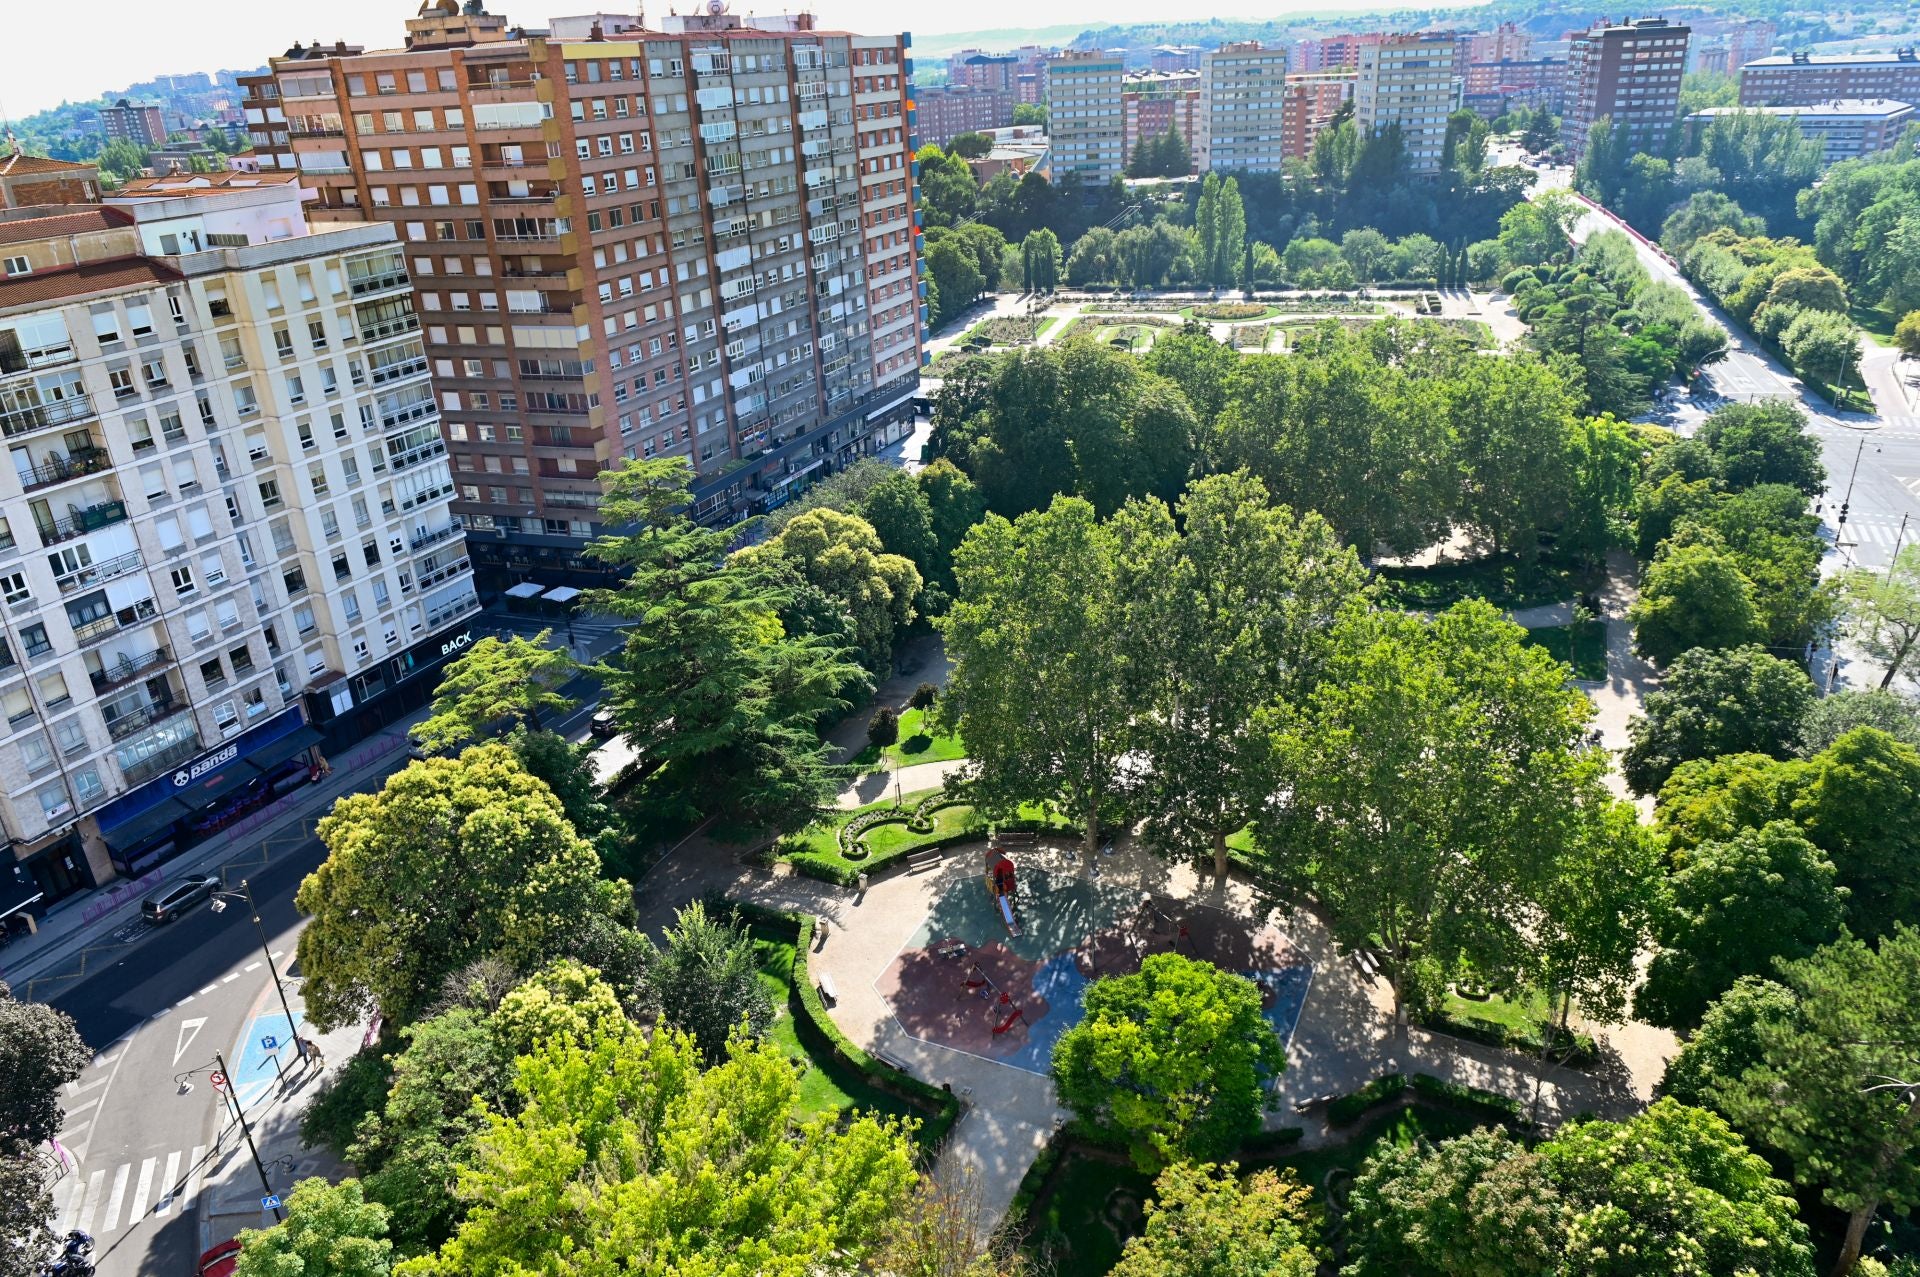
{"x": 19, "y": 165}
{"x": 1878, "y": 107}
{"x": 1833, "y": 59}
{"x": 68, "y": 283}
{"x": 174, "y": 185}
{"x": 57, "y": 221}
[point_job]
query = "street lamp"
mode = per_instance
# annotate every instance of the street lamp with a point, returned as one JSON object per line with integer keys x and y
{"x": 245, "y": 893}
{"x": 224, "y": 1084}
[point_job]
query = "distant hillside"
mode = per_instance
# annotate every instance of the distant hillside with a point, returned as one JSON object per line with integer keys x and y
{"x": 941, "y": 44}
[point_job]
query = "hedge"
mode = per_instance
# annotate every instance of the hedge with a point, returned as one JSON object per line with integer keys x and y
{"x": 1269, "y": 1144}
{"x": 1585, "y": 1052}
{"x": 844, "y": 873}
{"x": 1349, "y": 1109}
{"x": 1501, "y": 1108}
{"x": 811, "y": 1018}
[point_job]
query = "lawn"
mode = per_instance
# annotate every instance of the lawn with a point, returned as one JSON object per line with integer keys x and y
{"x": 1875, "y": 323}
{"x": 916, "y": 745}
{"x": 1505, "y": 582}
{"x": 1080, "y": 1216}
{"x": 1582, "y": 645}
{"x": 826, "y": 1086}
{"x": 818, "y": 844}
{"x": 1138, "y": 337}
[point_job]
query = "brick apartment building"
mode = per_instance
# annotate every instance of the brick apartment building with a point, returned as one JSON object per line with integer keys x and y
{"x": 1151, "y": 104}
{"x": 1802, "y": 79}
{"x": 1330, "y": 53}
{"x": 26, "y": 180}
{"x": 943, "y": 114}
{"x": 1312, "y": 99}
{"x": 697, "y": 241}
{"x": 1630, "y": 73}
{"x": 140, "y": 123}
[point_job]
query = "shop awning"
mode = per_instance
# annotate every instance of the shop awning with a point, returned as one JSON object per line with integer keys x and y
{"x": 216, "y": 788}
{"x": 561, "y": 594}
{"x": 525, "y": 590}
{"x": 133, "y": 832}
{"x": 270, "y": 755}
{"x": 17, "y": 891}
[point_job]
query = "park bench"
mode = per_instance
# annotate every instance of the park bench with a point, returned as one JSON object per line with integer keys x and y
{"x": 827, "y": 991}
{"x": 924, "y": 859}
{"x": 890, "y": 1061}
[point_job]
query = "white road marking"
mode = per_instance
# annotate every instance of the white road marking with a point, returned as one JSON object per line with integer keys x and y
{"x": 183, "y": 1001}
{"x": 196, "y": 1163}
{"x": 230, "y": 977}
{"x": 168, "y": 1179}
{"x": 278, "y": 953}
{"x": 91, "y": 1203}
{"x": 251, "y": 966}
{"x": 188, "y": 1031}
{"x": 116, "y": 1198}
{"x": 142, "y": 1193}
{"x": 209, "y": 989}
{"x": 82, "y": 1106}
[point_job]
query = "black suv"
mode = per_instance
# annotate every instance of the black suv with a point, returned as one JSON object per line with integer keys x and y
{"x": 178, "y": 898}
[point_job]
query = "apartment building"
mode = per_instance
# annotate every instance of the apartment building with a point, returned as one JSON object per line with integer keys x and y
{"x": 1803, "y": 79}
{"x": 1242, "y": 108}
{"x": 1629, "y": 73}
{"x": 1726, "y": 46}
{"x": 1846, "y": 130}
{"x": 1084, "y": 116}
{"x": 943, "y": 114}
{"x": 988, "y": 71}
{"x": 1411, "y": 81}
{"x": 1312, "y": 99}
{"x": 225, "y": 535}
{"x": 1153, "y": 102}
{"x": 1165, "y": 59}
{"x": 137, "y": 122}
{"x": 1493, "y": 88}
{"x": 1505, "y": 43}
{"x": 1334, "y": 52}
{"x": 698, "y": 242}
{"x": 33, "y": 179}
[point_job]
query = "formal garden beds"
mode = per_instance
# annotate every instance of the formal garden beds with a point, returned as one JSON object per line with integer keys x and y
{"x": 1003, "y": 330}
{"x": 868, "y": 839}
{"x": 1254, "y": 338}
{"x": 1081, "y": 1200}
{"x": 1230, "y": 312}
{"x": 1581, "y": 645}
{"x": 838, "y": 1077}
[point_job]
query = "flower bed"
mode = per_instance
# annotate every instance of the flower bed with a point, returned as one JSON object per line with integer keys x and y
{"x": 1231, "y": 310}
{"x": 873, "y": 837}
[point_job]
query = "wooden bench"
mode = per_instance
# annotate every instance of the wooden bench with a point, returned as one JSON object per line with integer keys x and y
{"x": 889, "y": 1061}
{"x": 827, "y": 991}
{"x": 1017, "y": 836}
{"x": 924, "y": 859}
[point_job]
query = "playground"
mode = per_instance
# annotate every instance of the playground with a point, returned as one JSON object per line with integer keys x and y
{"x": 998, "y": 967}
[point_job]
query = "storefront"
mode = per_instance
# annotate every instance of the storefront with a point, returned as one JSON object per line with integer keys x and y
{"x": 20, "y": 899}
{"x": 56, "y": 865}
{"x": 207, "y": 794}
{"x": 352, "y": 708}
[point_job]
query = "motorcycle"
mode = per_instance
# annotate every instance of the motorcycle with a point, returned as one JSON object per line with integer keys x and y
{"x": 75, "y": 1257}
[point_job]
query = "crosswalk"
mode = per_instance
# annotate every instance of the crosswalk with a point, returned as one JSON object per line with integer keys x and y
{"x": 111, "y": 1199}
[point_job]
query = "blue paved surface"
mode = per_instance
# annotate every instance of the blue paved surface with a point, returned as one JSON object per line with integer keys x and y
{"x": 254, "y": 1072}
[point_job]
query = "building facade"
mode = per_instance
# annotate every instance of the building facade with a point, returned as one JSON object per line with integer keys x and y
{"x": 140, "y": 123}
{"x": 1410, "y": 81}
{"x": 694, "y": 242}
{"x": 943, "y": 114}
{"x": 993, "y": 72}
{"x": 1167, "y": 59}
{"x": 1243, "y": 93}
{"x": 1629, "y": 73}
{"x": 26, "y": 180}
{"x": 1505, "y": 43}
{"x": 1331, "y": 53}
{"x": 227, "y": 534}
{"x": 1151, "y": 104}
{"x": 1490, "y": 88}
{"x": 1084, "y": 116}
{"x": 1313, "y": 98}
{"x": 1846, "y": 130}
{"x": 1803, "y": 79}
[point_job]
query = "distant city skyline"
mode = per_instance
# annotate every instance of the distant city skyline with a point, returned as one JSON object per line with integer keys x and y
{"x": 134, "y": 46}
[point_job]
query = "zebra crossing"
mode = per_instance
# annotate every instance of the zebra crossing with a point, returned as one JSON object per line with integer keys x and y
{"x": 115, "y": 1199}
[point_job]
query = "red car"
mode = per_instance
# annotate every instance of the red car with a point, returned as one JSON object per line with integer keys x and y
{"x": 220, "y": 1261}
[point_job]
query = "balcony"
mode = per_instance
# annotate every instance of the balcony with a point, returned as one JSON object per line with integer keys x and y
{"x": 369, "y": 284}
{"x": 59, "y": 469}
{"x": 386, "y": 328}
{"x": 126, "y": 669}
{"x": 106, "y": 514}
{"x": 422, "y": 540}
{"x": 158, "y": 764}
{"x": 95, "y": 573}
{"x": 408, "y": 415}
{"x": 46, "y": 416}
{"x": 94, "y": 631}
{"x": 430, "y": 579}
{"x": 414, "y": 456}
{"x": 395, "y": 371}
{"x": 128, "y": 722}
{"x": 448, "y": 611}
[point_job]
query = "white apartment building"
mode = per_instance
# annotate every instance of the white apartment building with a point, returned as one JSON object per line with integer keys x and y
{"x": 1243, "y": 94}
{"x": 225, "y": 535}
{"x": 1411, "y": 81}
{"x": 1085, "y": 119}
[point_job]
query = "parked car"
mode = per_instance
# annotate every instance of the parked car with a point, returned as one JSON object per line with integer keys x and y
{"x": 178, "y": 898}
{"x": 220, "y": 1261}
{"x": 602, "y": 725}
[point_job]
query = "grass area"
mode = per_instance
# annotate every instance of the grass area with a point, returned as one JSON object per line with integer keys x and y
{"x": 916, "y": 745}
{"x": 1520, "y": 1015}
{"x": 1582, "y": 645}
{"x": 1877, "y": 324}
{"x": 827, "y": 1087}
{"x": 1091, "y": 1207}
{"x": 818, "y": 844}
{"x": 1052, "y": 322}
{"x": 1505, "y": 582}
{"x": 1224, "y": 312}
{"x": 1138, "y": 336}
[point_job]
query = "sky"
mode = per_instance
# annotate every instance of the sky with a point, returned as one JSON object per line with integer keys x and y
{"x": 118, "y": 42}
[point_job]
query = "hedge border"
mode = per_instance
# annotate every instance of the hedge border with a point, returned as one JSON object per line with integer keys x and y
{"x": 1349, "y": 1109}
{"x": 812, "y": 1016}
{"x": 1471, "y": 1098}
{"x": 820, "y": 870}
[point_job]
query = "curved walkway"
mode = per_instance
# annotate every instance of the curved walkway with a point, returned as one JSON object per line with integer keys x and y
{"x": 877, "y": 785}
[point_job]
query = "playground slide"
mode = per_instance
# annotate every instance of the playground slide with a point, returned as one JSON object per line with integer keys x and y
{"x": 1006, "y": 914}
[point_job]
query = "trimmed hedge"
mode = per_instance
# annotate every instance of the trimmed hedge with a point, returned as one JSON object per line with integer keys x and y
{"x": 1349, "y": 1109}
{"x": 1585, "y": 1052}
{"x": 1498, "y": 1107}
{"x": 1269, "y": 1144}
{"x": 812, "y": 1021}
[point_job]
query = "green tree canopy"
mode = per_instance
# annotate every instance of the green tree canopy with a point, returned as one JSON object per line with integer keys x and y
{"x": 1716, "y": 702}
{"x": 1476, "y": 1206}
{"x": 1883, "y": 611}
{"x": 1694, "y": 596}
{"x": 706, "y": 982}
{"x": 841, "y": 555}
{"x": 1764, "y": 442}
{"x": 1832, "y": 716}
{"x": 1727, "y": 1042}
{"x": 1173, "y": 1058}
{"x": 452, "y": 860}
{"x": 496, "y": 681}
{"x": 1206, "y": 1220}
{"x": 331, "y": 1230}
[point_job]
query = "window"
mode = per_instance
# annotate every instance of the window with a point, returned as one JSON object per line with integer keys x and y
{"x": 295, "y": 579}
{"x": 54, "y": 804}
{"x": 70, "y": 737}
{"x": 214, "y": 568}
{"x": 241, "y": 658}
{"x": 270, "y": 493}
{"x": 18, "y": 265}
{"x": 183, "y": 583}
{"x": 13, "y": 587}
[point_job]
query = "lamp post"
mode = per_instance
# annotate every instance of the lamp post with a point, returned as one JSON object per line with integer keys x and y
{"x": 245, "y": 893}
{"x": 225, "y": 1087}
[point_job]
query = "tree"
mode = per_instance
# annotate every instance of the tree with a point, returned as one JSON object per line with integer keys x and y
{"x": 567, "y": 769}
{"x": 626, "y": 1144}
{"x": 1883, "y": 611}
{"x": 1220, "y": 220}
{"x": 1205, "y": 1220}
{"x": 1809, "y": 1096}
{"x": 1174, "y": 1059}
{"x": 496, "y": 681}
{"x": 1200, "y": 366}
{"x": 1037, "y": 691}
{"x": 1764, "y": 442}
{"x": 331, "y": 1230}
{"x": 956, "y": 273}
{"x": 946, "y": 1231}
{"x": 883, "y": 729}
{"x": 454, "y": 859}
{"x": 841, "y": 555}
{"x": 1726, "y": 1044}
{"x": 1906, "y": 335}
{"x": 1832, "y": 716}
{"x": 1040, "y": 260}
{"x": 1535, "y": 231}
{"x": 1030, "y": 113}
{"x": 1430, "y": 779}
{"x": 1671, "y": 1191}
{"x": 1733, "y": 908}
{"x": 1475, "y": 1206}
{"x": 26, "y": 1213}
{"x": 969, "y": 146}
{"x": 1367, "y": 251}
{"x": 1716, "y": 702}
{"x": 954, "y": 505}
{"x": 706, "y": 982}
{"x": 563, "y": 999}
{"x": 1693, "y": 596}
{"x": 1227, "y": 617}
{"x": 1856, "y": 802}
{"x": 40, "y": 1052}
{"x": 1513, "y": 422}
{"x": 709, "y": 680}
{"x": 948, "y": 189}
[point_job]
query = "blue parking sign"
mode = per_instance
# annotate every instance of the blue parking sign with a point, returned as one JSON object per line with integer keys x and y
{"x": 269, "y": 1042}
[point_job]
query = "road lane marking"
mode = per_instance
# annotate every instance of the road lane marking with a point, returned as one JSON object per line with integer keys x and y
{"x": 116, "y": 1198}
{"x": 278, "y": 953}
{"x": 184, "y": 1036}
{"x": 169, "y": 1181}
{"x": 142, "y": 1193}
{"x": 197, "y": 1164}
{"x": 183, "y": 1001}
{"x": 82, "y": 1106}
{"x": 251, "y": 966}
{"x": 230, "y": 977}
{"x": 209, "y": 989}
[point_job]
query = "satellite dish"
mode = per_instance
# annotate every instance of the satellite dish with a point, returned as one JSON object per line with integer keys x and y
{"x": 716, "y": 7}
